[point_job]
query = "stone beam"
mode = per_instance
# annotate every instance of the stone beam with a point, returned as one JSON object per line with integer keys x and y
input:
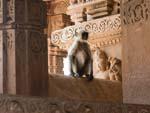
{"x": 19, "y": 104}
{"x": 103, "y": 32}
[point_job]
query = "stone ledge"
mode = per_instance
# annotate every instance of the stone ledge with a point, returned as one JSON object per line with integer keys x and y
{"x": 80, "y": 89}
{"x": 20, "y": 104}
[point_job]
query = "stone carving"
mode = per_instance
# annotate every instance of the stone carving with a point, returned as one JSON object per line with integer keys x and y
{"x": 59, "y": 21}
{"x": 54, "y": 108}
{"x": 136, "y": 11}
{"x": 85, "y": 109}
{"x": 35, "y": 42}
{"x": 72, "y": 2}
{"x": 9, "y": 39}
{"x": 14, "y": 104}
{"x": 94, "y": 9}
{"x": 14, "y": 107}
{"x": 104, "y": 27}
{"x": 101, "y": 59}
{"x": 21, "y": 37}
{"x": 109, "y": 67}
{"x": 54, "y": 7}
{"x": 10, "y": 15}
{"x": 61, "y": 7}
{"x": 115, "y": 69}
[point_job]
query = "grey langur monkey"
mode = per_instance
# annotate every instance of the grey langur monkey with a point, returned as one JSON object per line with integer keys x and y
{"x": 80, "y": 57}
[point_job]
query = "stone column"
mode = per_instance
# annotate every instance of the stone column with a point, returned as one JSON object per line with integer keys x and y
{"x": 57, "y": 19}
{"x": 136, "y": 51}
{"x": 23, "y": 48}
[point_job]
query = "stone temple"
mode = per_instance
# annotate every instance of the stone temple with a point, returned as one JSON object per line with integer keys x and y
{"x": 35, "y": 36}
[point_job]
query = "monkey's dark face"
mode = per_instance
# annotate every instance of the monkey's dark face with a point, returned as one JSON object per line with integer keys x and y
{"x": 85, "y": 36}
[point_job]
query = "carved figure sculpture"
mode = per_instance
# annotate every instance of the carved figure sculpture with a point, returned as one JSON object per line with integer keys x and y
{"x": 109, "y": 68}
{"x": 102, "y": 64}
{"x": 80, "y": 57}
{"x": 102, "y": 59}
{"x": 115, "y": 69}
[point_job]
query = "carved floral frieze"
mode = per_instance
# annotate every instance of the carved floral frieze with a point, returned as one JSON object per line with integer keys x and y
{"x": 106, "y": 31}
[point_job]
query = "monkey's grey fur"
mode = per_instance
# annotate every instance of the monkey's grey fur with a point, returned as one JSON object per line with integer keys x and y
{"x": 80, "y": 57}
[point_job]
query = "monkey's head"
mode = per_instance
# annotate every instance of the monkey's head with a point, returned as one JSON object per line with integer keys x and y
{"x": 84, "y": 35}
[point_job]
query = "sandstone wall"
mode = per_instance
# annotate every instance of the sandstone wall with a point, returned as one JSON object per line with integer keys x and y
{"x": 136, "y": 51}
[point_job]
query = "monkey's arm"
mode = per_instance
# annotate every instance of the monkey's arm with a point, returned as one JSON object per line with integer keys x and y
{"x": 88, "y": 50}
{"x": 71, "y": 54}
{"x": 73, "y": 48}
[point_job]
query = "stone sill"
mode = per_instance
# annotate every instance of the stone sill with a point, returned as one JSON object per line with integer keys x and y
{"x": 98, "y": 90}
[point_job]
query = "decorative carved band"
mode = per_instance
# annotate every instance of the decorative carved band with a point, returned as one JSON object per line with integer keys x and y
{"x": 135, "y": 11}
{"x": 14, "y": 104}
{"x": 99, "y": 28}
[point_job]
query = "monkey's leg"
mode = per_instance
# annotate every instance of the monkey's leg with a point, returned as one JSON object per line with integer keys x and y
{"x": 89, "y": 70}
{"x": 71, "y": 62}
{"x": 75, "y": 67}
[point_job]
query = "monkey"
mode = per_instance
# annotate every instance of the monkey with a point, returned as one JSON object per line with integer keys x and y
{"x": 80, "y": 57}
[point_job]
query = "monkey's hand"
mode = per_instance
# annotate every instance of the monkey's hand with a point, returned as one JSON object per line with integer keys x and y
{"x": 90, "y": 77}
{"x": 76, "y": 75}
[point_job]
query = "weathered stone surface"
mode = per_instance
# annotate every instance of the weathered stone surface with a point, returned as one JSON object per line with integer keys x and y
{"x": 136, "y": 51}
{"x": 23, "y": 47}
{"x": 80, "y": 89}
{"x": 19, "y": 104}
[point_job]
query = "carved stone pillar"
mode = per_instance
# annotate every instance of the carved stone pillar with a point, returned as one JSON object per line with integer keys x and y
{"x": 136, "y": 51}
{"x": 57, "y": 19}
{"x": 55, "y": 57}
{"x": 23, "y": 48}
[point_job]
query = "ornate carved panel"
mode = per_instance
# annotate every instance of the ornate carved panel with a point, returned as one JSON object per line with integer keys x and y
{"x": 10, "y": 11}
{"x": 13, "y": 104}
{"x": 103, "y": 32}
{"x": 136, "y": 11}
